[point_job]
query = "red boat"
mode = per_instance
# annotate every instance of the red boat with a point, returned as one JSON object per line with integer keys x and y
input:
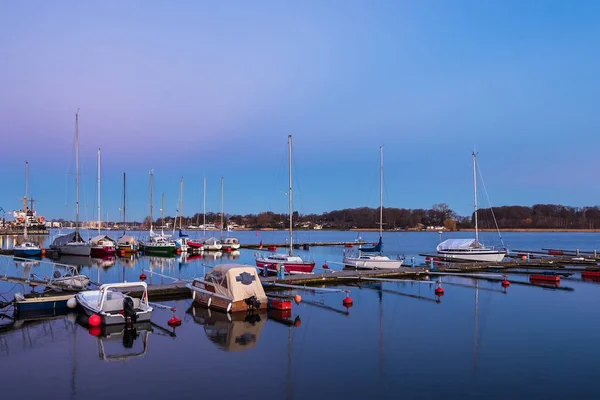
{"x": 291, "y": 264}
{"x": 102, "y": 246}
{"x": 194, "y": 246}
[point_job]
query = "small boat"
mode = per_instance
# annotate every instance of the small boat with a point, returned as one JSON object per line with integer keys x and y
{"x": 70, "y": 281}
{"x": 229, "y": 288}
{"x": 27, "y": 249}
{"x": 126, "y": 243}
{"x": 103, "y": 246}
{"x": 115, "y": 307}
{"x": 372, "y": 261}
{"x": 194, "y": 246}
{"x": 230, "y": 244}
{"x": 41, "y": 302}
{"x": 157, "y": 244}
{"x": 211, "y": 244}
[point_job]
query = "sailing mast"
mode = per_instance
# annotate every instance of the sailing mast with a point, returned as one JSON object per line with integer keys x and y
{"x": 25, "y": 199}
{"x": 151, "y": 176}
{"x": 180, "y": 205}
{"x": 77, "y": 175}
{"x": 124, "y": 207}
{"x": 99, "y": 192}
{"x": 162, "y": 216}
{"x": 204, "y": 212}
{"x": 221, "y": 227}
{"x": 380, "y": 193}
{"x": 475, "y": 197}
{"x": 290, "y": 185}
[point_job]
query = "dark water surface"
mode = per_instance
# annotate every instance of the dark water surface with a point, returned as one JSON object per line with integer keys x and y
{"x": 397, "y": 341}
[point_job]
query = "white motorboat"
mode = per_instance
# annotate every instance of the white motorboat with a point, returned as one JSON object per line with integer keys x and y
{"x": 112, "y": 303}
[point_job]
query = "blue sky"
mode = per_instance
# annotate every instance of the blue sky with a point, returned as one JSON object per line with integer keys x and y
{"x": 197, "y": 89}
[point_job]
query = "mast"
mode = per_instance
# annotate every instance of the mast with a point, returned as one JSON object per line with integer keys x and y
{"x": 99, "y": 191}
{"x": 221, "y": 227}
{"x": 77, "y": 175}
{"x": 204, "y": 212}
{"x": 380, "y": 192}
{"x": 290, "y": 185}
{"x": 180, "y": 204}
{"x": 162, "y": 215}
{"x": 475, "y": 196}
{"x": 25, "y": 199}
{"x": 151, "y": 221}
{"x": 124, "y": 207}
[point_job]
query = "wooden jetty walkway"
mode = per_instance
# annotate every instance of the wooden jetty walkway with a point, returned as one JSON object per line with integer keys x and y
{"x": 299, "y": 244}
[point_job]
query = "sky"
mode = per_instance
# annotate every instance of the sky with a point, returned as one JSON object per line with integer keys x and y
{"x": 199, "y": 89}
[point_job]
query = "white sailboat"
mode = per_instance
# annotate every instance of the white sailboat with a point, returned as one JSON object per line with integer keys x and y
{"x": 228, "y": 244}
{"x": 102, "y": 245}
{"x": 210, "y": 243}
{"x": 470, "y": 249}
{"x": 72, "y": 243}
{"x": 290, "y": 262}
{"x": 126, "y": 243}
{"x": 26, "y": 248}
{"x": 157, "y": 244}
{"x": 372, "y": 258}
{"x": 182, "y": 241}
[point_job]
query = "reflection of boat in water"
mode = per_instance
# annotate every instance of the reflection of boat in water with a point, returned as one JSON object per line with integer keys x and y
{"x": 81, "y": 261}
{"x": 128, "y": 260}
{"x": 212, "y": 255}
{"x": 232, "y": 255}
{"x": 230, "y": 332}
{"x": 104, "y": 262}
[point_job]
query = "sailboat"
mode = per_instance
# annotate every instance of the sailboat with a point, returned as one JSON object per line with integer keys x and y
{"x": 211, "y": 243}
{"x": 26, "y": 248}
{"x": 102, "y": 245}
{"x": 126, "y": 243}
{"x": 470, "y": 249}
{"x": 289, "y": 262}
{"x": 72, "y": 243}
{"x": 181, "y": 242}
{"x": 230, "y": 243}
{"x": 157, "y": 244}
{"x": 373, "y": 259}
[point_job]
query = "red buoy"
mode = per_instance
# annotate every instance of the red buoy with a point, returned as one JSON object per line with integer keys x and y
{"x": 174, "y": 321}
{"x": 142, "y": 276}
{"x": 439, "y": 291}
{"x": 94, "y": 330}
{"x": 347, "y": 302}
{"x": 94, "y": 320}
{"x": 325, "y": 266}
{"x": 505, "y": 283}
{"x": 297, "y": 299}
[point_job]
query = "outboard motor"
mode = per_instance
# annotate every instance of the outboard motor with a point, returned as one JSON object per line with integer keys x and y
{"x": 252, "y": 303}
{"x": 129, "y": 310}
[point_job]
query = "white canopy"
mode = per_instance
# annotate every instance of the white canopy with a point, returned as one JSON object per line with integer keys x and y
{"x": 126, "y": 240}
{"x": 66, "y": 238}
{"x": 236, "y": 281}
{"x": 100, "y": 238}
{"x": 457, "y": 244}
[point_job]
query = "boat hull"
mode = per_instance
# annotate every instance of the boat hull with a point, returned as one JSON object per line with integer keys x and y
{"x": 75, "y": 249}
{"x": 27, "y": 252}
{"x": 111, "y": 319}
{"x": 159, "y": 249}
{"x": 372, "y": 264}
{"x": 127, "y": 249}
{"x": 209, "y": 299}
{"x": 43, "y": 303}
{"x": 484, "y": 256}
{"x": 102, "y": 251}
{"x": 290, "y": 268}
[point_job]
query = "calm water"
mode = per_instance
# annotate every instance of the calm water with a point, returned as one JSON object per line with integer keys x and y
{"x": 396, "y": 341}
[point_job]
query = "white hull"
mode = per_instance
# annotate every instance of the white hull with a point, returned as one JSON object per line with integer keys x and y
{"x": 371, "y": 264}
{"x": 483, "y": 256}
{"x": 76, "y": 249}
{"x": 212, "y": 247}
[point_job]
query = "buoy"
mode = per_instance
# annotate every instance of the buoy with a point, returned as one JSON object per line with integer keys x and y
{"x": 505, "y": 283}
{"x": 347, "y": 302}
{"x": 325, "y": 266}
{"x": 439, "y": 291}
{"x": 174, "y": 321}
{"x": 72, "y": 302}
{"x": 142, "y": 276}
{"x": 523, "y": 258}
{"x": 43, "y": 252}
{"x": 94, "y": 320}
{"x": 94, "y": 330}
{"x": 297, "y": 322}
{"x": 122, "y": 253}
{"x": 297, "y": 299}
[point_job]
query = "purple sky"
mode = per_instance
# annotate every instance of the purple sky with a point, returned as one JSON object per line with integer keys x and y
{"x": 196, "y": 89}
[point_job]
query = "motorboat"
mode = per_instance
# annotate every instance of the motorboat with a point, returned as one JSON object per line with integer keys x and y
{"x": 102, "y": 246}
{"x": 372, "y": 261}
{"x": 27, "y": 249}
{"x": 229, "y": 288}
{"x": 229, "y": 244}
{"x": 112, "y": 303}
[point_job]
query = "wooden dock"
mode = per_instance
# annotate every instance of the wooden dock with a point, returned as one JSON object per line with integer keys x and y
{"x": 299, "y": 245}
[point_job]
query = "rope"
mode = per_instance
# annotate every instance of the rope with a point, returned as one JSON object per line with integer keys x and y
{"x": 490, "y": 203}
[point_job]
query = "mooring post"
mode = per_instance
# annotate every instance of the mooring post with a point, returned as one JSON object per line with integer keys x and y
{"x": 281, "y": 271}
{"x": 412, "y": 262}
{"x": 527, "y": 257}
{"x": 594, "y": 253}
{"x": 265, "y": 270}
{"x": 577, "y": 252}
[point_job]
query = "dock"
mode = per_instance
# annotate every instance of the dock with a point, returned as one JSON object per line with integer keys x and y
{"x": 256, "y": 246}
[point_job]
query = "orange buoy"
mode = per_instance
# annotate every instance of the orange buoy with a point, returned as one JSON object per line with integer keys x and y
{"x": 297, "y": 322}
{"x": 142, "y": 276}
{"x": 43, "y": 252}
{"x": 94, "y": 320}
{"x": 523, "y": 258}
{"x": 297, "y": 299}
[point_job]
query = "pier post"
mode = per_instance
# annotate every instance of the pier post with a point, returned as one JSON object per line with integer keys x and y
{"x": 412, "y": 262}
{"x": 281, "y": 271}
{"x": 594, "y": 253}
{"x": 265, "y": 270}
{"x": 431, "y": 267}
{"x": 527, "y": 257}
{"x": 577, "y": 252}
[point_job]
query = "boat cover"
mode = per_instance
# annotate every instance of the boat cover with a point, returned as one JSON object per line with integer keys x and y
{"x": 375, "y": 249}
{"x": 97, "y": 239}
{"x": 126, "y": 240}
{"x": 236, "y": 281}
{"x": 457, "y": 244}
{"x": 62, "y": 240}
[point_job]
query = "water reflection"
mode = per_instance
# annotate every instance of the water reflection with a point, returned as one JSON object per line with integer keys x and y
{"x": 105, "y": 262}
{"x": 212, "y": 255}
{"x": 230, "y": 332}
{"x": 128, "y": 260}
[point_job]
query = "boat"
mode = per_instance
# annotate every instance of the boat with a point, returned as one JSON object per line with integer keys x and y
{"x": 229, "y": 288}
{"x": 230, "y": 332}
{"x": 208, "y": 243}
{"x": 102, "y": 245}
{"x": 158, "y": 244}
{"x": 289, "y": 262}
{"x": 72, "y": 243}
{"x": 41, "y": 302}
{"x": 373, "y": 259}
{"x": 182, "y": 241}
{"x": 230, "y": 243}
{"x": 126, "y": 243}
{"x": 26, "y": 248}
{"x": 470, "y": 249}
{"x": 115, "y": 307}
